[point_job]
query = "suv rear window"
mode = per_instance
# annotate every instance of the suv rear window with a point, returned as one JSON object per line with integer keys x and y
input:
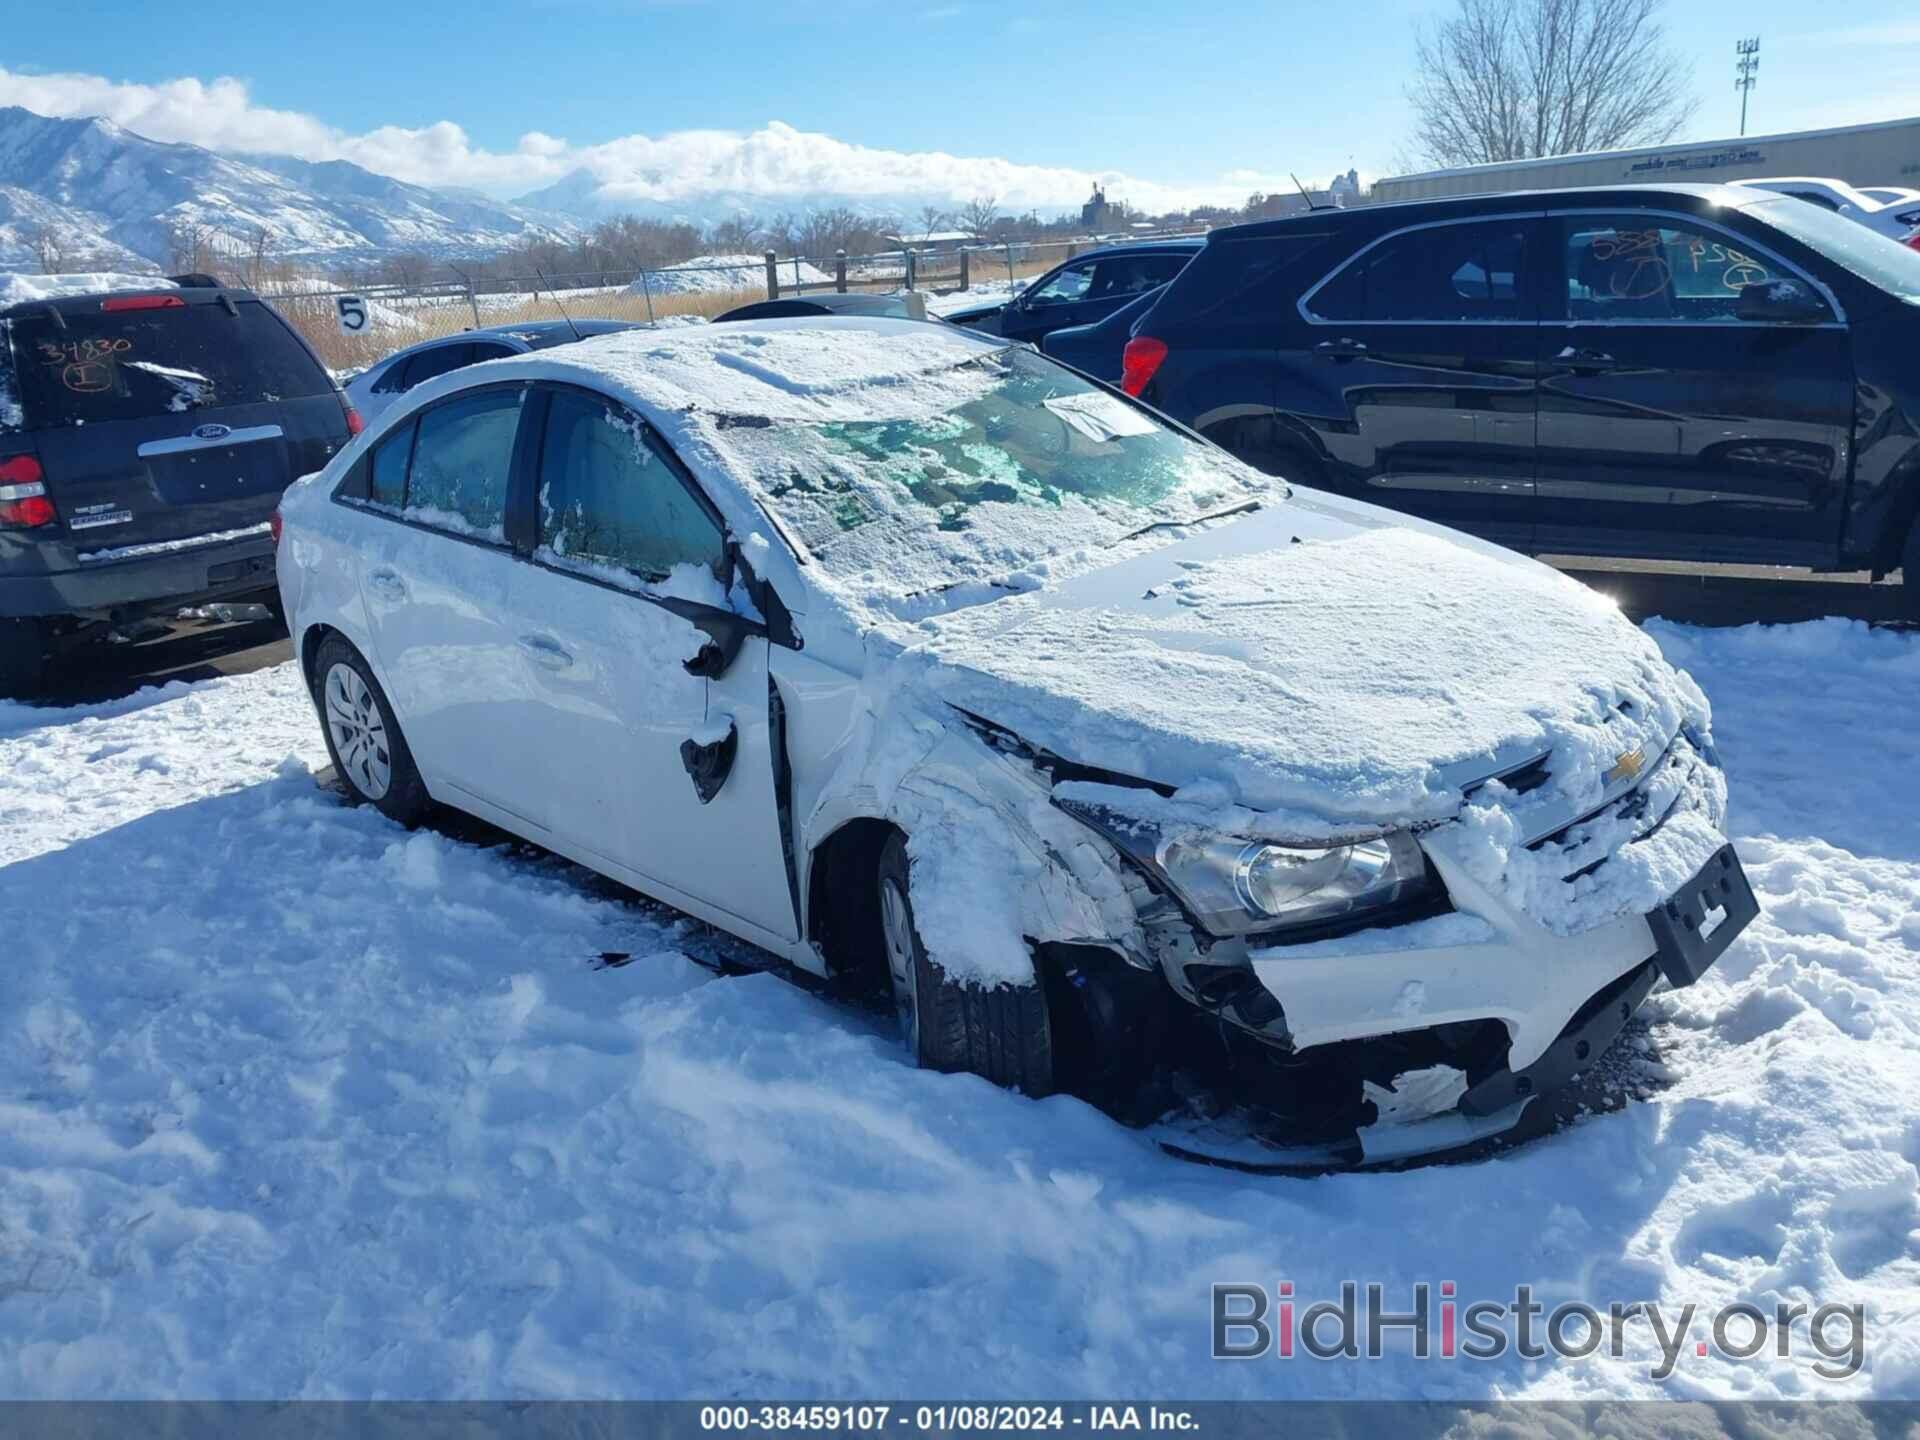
{"x": 133, "y": 364}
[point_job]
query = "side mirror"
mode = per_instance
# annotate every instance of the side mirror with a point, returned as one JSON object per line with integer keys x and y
{"x": 1780, "y": 302}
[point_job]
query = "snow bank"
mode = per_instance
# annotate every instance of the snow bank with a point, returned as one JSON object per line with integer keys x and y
{"x": 724, "y": 275}
{"x": 19, "y": 289}
{"x": 276, "y": 1076}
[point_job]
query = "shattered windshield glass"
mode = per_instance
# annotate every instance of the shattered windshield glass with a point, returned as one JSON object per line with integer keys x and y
{"x": 1025, "y": 461}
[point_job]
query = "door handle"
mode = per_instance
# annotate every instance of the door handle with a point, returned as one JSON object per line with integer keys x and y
{"x": 1341, "y": 349}
{"x": 388, "y": 583}
{"x": 546, "y": 651}
{"x": 1586, "y": 362}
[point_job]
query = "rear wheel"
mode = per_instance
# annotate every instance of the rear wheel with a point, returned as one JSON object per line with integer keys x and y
{"x": 23, "y": 659}
{"x": 999, "y": 1033}
{"x": 370, "y": 755}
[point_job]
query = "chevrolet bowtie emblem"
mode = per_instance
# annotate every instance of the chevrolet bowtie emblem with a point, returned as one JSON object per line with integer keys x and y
{"x": 1626, "y": 766}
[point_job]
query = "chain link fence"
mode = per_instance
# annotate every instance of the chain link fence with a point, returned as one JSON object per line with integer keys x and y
{"x": 403, "y": 315}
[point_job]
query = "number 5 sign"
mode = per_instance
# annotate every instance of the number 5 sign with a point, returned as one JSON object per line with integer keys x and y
{"x": 351, "y": 312}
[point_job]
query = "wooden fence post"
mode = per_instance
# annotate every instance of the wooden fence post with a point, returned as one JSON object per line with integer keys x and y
{"x": 966, "y": 255}
{"x": 840, "y": 271}
{"x": 906, "y": 252}
{"x": 773, "y": 276}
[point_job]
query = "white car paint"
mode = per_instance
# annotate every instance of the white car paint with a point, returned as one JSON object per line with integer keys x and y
{"x": 1894, "y": 213}
{"x": 556, "y": 705}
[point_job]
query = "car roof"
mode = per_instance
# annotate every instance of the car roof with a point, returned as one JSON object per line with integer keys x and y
{"x": 806, "y": 367}
{"x": 551, "y": 332}
{"x": 1696, "y": 197}
{"x": 88, "y": 302}
{"x": 1142, "y": 247}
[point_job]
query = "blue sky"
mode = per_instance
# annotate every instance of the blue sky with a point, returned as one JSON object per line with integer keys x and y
{"x": 1193, "y": 99}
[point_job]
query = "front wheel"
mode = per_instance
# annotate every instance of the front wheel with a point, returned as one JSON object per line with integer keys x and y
{"x": 369, "y": 753}
{"x": 999, "y": 1033}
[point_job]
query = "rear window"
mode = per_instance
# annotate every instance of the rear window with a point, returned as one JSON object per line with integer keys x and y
{"x": 135, "y": 364}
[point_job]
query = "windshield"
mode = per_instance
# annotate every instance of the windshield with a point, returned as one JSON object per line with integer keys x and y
{"x": 1016, "y": 459}
{"x": 1878, "y": 259}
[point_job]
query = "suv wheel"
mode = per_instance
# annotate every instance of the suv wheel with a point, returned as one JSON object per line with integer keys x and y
{"x": 369, "y": 753}
{"x": 23, "y": 659}
{"x": 1000, "y": 1033}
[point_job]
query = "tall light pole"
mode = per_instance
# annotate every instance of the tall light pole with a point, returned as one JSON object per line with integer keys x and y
{"x": 1746, "y": 68}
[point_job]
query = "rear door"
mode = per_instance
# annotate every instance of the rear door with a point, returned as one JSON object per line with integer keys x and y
{"x": 1669, "y": 426}
{"x": 627, "y": 550}
{"x": 162, "y": 418}
{"x": 1417, "y": 369}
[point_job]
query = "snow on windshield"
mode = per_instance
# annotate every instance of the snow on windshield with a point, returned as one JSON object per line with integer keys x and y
{"x": 1878, "y": 259}
{"x": 1023, "y": 461}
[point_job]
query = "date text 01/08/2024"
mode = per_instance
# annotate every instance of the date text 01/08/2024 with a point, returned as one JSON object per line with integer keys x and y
{"x": 942, "y": 1418}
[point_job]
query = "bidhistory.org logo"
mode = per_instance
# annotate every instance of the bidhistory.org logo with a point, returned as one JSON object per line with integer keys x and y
{"x": 1432, "y": 1322}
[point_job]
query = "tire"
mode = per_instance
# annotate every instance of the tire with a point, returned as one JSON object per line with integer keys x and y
{"x": 1000, "y": 1034}
{"x": 369, "y": 753}
{"x": 23, "y": 659}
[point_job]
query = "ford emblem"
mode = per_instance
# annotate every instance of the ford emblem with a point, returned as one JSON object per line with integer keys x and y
{"x": 212, "y": 432}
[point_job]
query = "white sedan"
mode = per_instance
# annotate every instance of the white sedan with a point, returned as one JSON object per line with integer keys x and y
{"x": 927, "y": 664}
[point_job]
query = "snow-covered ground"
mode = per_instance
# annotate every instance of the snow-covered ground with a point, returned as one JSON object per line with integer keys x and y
{"x": 293, "y": 1103}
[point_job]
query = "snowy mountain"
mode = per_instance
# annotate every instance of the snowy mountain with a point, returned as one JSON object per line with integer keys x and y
{"x": 113, "y": 198}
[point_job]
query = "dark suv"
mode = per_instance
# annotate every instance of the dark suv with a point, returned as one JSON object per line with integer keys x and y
{"x": 145, "y": 439}
{"x": 1680, "y": 371}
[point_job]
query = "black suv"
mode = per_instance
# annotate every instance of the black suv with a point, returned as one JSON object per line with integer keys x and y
{"x": 145, "y": 439}
{"x": 1675, "y": 371}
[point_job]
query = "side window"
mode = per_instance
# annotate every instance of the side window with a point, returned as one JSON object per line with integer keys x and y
{"x": 462, "y": 457}
{"x": 387, "y": 475}
{"x": 1129, "y": 275}
{"x": 488, "y": 350}
{"x": 429, "y": 364}
{"x": 1638, "y": 267}
{"x": 1469, "y": 271}
{"x": 1066, "y": 287}
{"x": 607, "y": 497}
{"x": 393, "y": 380}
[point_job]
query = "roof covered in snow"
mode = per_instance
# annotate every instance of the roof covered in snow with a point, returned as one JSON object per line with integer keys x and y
{"x": 19, "y": 289}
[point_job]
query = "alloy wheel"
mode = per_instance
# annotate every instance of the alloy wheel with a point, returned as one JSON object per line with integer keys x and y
{"x": 359, "y": 734}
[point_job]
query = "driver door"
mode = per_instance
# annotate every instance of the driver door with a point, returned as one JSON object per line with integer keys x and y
{"x": 627, "y": 557}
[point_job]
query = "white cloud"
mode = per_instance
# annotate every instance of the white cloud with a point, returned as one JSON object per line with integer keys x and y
{"x": 1898, "y": 32}
{"x": 772, "y": 165}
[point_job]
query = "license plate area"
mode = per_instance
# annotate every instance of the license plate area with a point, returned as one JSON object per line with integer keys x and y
{"x": 1697, "y": 924}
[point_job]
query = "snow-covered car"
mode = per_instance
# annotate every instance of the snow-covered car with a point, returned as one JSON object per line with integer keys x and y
{"x": 922, "y": 661}
{"x": 1894, "y": 213}
{"x": 380, "y": 384}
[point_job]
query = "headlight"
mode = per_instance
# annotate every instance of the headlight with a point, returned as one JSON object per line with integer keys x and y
{"x": 1236, "y": 886}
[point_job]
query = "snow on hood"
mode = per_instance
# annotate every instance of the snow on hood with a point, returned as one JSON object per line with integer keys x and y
{"x": 1312, "y": 660}
{"x": 23, "y": 289}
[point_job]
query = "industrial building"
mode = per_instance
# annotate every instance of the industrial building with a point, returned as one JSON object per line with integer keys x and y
{"x": 1884, "y": 153}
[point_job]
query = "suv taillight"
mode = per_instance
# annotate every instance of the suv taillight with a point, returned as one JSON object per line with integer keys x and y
{"x": 273, "y": 526}
{"x": 354, "y": 423}
{"x": 23, "y": 494}
{"x": 1911, "y": 239}
{"x": 1139, "y": 361}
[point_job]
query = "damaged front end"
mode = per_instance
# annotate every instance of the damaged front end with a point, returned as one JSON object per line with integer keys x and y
{"x": 1365, "y": 995}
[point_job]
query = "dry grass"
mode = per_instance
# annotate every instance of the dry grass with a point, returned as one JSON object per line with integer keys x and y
{"x": 400, "y": 321}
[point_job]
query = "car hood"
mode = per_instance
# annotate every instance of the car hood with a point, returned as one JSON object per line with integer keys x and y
{"x": 1322, "y": 658}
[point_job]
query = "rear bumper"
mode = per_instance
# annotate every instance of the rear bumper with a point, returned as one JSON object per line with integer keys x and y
{"x": 124, "y": 586}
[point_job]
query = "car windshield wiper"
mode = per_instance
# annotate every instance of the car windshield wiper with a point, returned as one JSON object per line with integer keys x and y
{"x": 1243, "y": 508}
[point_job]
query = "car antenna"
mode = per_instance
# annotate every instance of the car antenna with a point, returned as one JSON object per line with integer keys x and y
{"x": 558, "y": 306}
{"x": 1306, "y": 194}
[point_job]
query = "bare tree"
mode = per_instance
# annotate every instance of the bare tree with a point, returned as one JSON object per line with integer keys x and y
{"x": 1518, "y": 79}
{"x": 49, "y": 249}
{"x": 978, "y": 214}
{"x": 932, "y": 217}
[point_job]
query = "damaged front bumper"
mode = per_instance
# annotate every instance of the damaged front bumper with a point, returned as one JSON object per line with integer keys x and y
{"x": 1560, "y": 998}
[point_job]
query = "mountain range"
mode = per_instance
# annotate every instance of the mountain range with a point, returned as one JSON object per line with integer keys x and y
{"x": 111, "y": 199}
